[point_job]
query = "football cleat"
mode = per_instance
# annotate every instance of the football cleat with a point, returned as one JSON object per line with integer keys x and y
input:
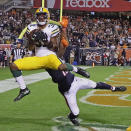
{"x": 22, "y": 93}
{"x": 120, "y": 88}
{"x": 74, "y": 120}
{"x": 83, "y": 72}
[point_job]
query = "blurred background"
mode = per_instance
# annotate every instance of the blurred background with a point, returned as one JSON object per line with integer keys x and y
{"x": 99, "y": 32}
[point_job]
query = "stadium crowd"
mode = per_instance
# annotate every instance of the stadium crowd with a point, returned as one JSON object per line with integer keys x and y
{"x": 84, "y": 30}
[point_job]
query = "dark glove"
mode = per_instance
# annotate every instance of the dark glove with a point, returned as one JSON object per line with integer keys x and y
{"x": 83, "y": 72}
{"x": 40, "y": 36}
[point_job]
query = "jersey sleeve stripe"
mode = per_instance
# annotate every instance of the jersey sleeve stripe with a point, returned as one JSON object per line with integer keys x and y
{"x": 55, "y": 31}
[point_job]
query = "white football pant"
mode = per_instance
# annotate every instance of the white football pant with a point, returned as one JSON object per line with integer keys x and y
{"x": 70, "y": 96}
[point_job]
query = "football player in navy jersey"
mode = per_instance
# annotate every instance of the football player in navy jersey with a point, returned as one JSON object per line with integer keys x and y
{"x": 69, "y": 85}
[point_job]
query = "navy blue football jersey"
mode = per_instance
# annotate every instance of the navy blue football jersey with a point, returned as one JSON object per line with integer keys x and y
{"x": 63, "y": 78}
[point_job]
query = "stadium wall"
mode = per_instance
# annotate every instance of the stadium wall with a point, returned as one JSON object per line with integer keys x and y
{"x": 94, "y": 55}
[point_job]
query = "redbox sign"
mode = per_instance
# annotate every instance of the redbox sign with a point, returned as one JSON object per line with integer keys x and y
{"x": 88, "y": 3}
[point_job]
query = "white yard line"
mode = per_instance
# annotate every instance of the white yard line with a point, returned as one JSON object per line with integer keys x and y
{"x": 9, "y": 84}
{"x": 65, "y": 124}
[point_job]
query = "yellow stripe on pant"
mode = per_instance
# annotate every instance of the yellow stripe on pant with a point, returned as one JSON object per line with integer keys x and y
{"x": 32, "y": 63}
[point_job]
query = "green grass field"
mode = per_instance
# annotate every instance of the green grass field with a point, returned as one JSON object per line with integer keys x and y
{"x": 40, "y": 110}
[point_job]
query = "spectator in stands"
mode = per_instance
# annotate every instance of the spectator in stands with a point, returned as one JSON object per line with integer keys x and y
{"x": 72, "y": 56}
{"x": 83, "y": 60}
{"x": 79, "y": 25}
{"x": 77, "y": 51}
{"x": 2, "y": 57}
{"x": 5, "y": 58}
{"x": 67, "y": 54}
{"x": 106, "y": 57}
{"x": 8, "y": 54}
{"x": 112, "y": 47}
{"x": 123, "y": 54}
{"x": 114, "y": 57}
{"x": 129, "y": 39}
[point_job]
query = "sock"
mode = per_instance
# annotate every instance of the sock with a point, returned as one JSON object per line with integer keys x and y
{"x": 21, "y": 82}
{"x": 101, "y": 85}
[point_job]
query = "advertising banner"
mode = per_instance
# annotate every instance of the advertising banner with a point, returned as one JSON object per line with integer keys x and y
{"x": 98, "y": 5}
{"x": 89, "y": 5}
{"x": 90, "y": 56}
{"x": 37, "y": 3}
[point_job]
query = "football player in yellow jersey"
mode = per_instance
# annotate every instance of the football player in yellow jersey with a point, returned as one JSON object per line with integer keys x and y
{"x": 47, "y": 40}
